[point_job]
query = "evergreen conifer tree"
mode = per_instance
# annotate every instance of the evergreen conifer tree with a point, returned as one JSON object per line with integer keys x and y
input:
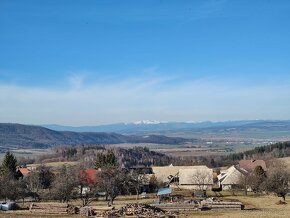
{"x": 9, "y": 164}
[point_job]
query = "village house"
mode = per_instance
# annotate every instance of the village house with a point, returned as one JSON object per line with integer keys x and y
{"x": 22, "y": 172}
{"x": 165, "y": 174}
{"x": 187, "y": 177}
{"x": 89, "y": 178}
{"x": 230, "y": 178}
{"x": 197, "y": 178}
{"x": 250, "y": 165}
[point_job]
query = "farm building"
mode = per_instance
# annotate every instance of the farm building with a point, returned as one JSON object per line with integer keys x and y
{"x": 164, "y": 193}
{"x": 230, "y": 178}
{"x": 250, "y": 165}
{"x": 188, "y": 177}
{"x": 164, "y": 174}
{"x": 89, "y": 176}
{"x": 23, "y": 171}
{"x": 197, "y": 177}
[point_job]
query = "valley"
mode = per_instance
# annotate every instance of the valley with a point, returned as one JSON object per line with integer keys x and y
{"x": 173, "y": 139}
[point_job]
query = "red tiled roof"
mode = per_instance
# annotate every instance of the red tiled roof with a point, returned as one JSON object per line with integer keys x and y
{"x": 24, "y": 171}
{"x": 250, "y": 165}
{"x": 89, "y": 175}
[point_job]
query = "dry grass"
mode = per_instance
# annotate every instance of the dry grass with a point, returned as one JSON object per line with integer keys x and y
{"x": 27, "y": 214}
{"x": 27, "y": 153}
{"x": 54, "y": 164}
{"x": 286, "y": 160}
{"x": 261, "y": 206}
{"x": 191, "y": 152}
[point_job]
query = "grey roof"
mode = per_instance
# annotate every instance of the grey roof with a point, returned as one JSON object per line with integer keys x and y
{"x": 164, "y": 191}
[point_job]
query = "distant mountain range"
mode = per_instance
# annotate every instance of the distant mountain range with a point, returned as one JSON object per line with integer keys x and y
{"x": 174, "y": 133}
{"x": 17, "y": 135}
{"x": 157, "y": 126}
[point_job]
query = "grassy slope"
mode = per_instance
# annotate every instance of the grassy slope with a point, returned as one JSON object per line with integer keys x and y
{"x": 286, "y": 160}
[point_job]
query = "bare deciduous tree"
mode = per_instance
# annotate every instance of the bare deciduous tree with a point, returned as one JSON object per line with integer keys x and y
{"x": 113, "y": 181}
{"x": 278, "y": 179}
{"x": 137, "y": 181}
{"x": 8, "y": 187}
{"x": 64, "y": 185}
{"x": 87, "y": 188}
{"x": 245, "y": 181}
{"x": 154, "y": 184}
{"x": 202, "y": 179}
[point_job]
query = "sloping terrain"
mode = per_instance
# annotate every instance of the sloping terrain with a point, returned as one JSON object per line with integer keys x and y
{"x": 18, "y": 135}
{"x": 244, "y": 130}
{"x": 141, "y": 127}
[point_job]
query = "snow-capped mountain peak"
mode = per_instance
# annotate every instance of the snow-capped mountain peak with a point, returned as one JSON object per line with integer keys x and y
{"x": 146, "y": 122}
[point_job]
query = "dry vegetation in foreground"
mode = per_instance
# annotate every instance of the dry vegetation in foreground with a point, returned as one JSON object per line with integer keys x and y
{"x": 256, "y": 206}
{"x": 260, "y": 207}
{"x": 286, "y": 160}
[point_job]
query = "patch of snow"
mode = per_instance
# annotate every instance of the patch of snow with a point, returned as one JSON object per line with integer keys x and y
{"x": 146, "y": 122}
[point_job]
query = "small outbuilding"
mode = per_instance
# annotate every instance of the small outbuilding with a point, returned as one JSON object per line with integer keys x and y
{"x": 163, "y": 194}
{"x": 164, "y": 191}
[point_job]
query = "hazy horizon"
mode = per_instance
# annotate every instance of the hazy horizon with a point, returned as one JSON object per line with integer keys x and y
{"x": 144, "y": 122}
{"x": 101, "y": 62}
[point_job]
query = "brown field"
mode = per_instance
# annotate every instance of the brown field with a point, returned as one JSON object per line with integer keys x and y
{"x": 191, "y": 152}
{"x": 286, "y": 160}
{"x": 255, "y": 206}
{"x": 27, "y": 153}
{"x": 262, "y": 207}
{"x": 53, "y": 164}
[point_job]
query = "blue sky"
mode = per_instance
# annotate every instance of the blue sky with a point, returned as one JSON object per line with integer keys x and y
{"x": 94, "y": 62}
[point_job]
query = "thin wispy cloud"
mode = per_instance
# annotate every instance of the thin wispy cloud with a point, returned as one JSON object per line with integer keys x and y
{"x": 76, "y": 81}
{"x": 128, "y": 101}
{"x": 97, "y": 62}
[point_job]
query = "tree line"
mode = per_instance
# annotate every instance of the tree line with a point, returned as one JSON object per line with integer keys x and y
{"x": 277, "y": 150}
{"x": 71, "y": 182}
{"x": 275, "y": 180}
{"x": 267, "y": 152}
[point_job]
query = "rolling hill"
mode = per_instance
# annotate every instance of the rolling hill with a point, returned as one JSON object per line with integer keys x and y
{"x": 27, "y": 136}
{"x": 155, "y": 126}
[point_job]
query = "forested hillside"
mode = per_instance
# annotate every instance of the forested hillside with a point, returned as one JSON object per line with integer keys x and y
{"x": 277, "y": 150}
{"x": 25, "y": 136}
